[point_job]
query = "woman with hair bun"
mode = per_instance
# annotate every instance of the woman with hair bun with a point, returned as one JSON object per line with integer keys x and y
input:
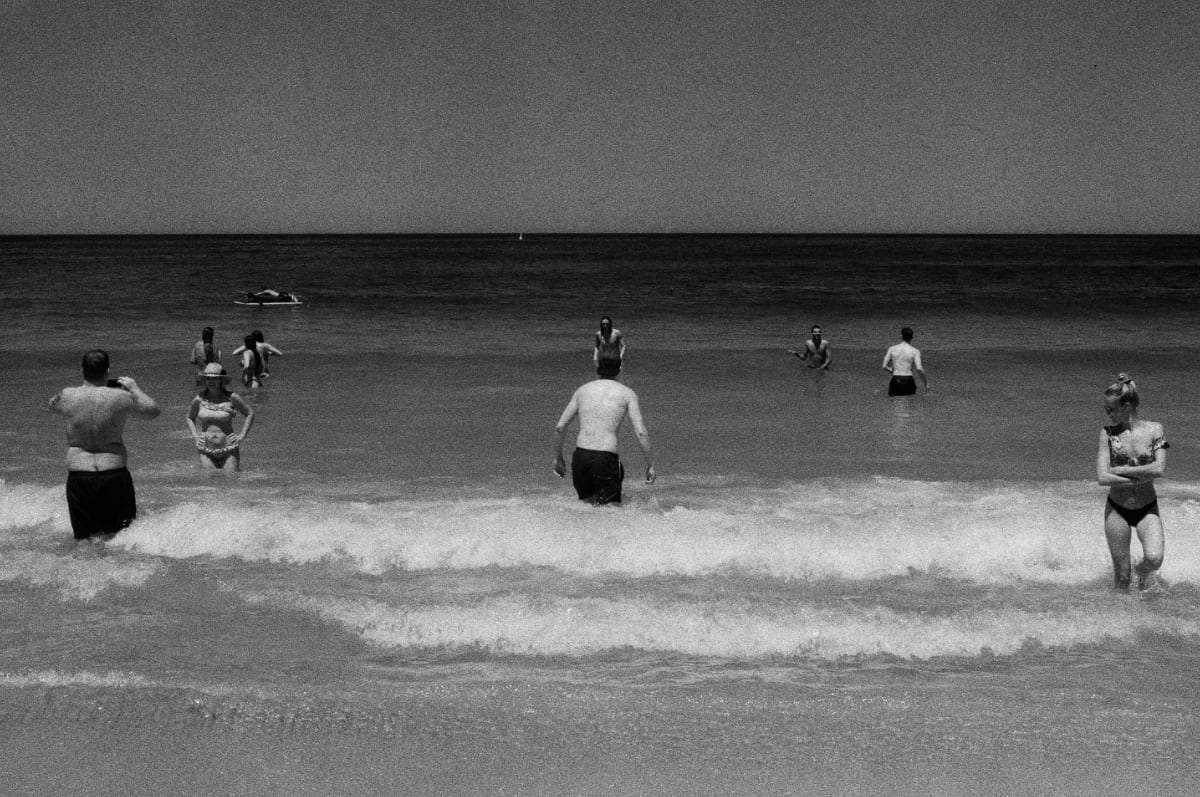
{"x": 1131, "y": 455}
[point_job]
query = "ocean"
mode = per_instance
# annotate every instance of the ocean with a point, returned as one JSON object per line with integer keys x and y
{"x": 826, "y": 591}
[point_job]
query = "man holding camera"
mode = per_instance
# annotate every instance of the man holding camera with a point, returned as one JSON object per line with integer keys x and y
{"x": 100, "y": 493}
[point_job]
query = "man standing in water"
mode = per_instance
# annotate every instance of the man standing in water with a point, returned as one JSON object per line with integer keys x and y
{"x": 601, "y": 405}
{"x": 816, "y": 351}
{"x": 901, "y": 361}
{"x": 100, "y": 493}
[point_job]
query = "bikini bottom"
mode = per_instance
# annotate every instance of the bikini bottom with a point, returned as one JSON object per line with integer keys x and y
{"x": 217, "y": 455}
{"x": 1135, "y": 516}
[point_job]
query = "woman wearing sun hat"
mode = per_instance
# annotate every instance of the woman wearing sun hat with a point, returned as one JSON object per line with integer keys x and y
{"x": 210, "y": 418}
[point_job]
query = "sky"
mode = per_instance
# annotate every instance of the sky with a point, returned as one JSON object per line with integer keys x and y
{"x": 445, "y": 116}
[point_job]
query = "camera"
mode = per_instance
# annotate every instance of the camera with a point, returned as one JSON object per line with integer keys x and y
{"x": 115, "y": 383}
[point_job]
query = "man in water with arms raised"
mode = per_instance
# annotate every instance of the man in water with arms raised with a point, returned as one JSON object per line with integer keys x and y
{"x": 100, "y": 493}
{"x": 902, "y": 361}
{"x": 601, "y": 405}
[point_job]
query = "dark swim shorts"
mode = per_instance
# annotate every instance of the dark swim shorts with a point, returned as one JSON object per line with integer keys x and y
{"x": 902, "y": 386}
{"x": 597, "y": 476}
{"x": 100, "y": 502}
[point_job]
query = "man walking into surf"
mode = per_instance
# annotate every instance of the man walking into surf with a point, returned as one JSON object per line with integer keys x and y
{"x": 902, "y": 361}
{"x": 602, "y": 405}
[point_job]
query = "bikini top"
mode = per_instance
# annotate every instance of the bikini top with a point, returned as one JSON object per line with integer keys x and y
{"x": 215, "y": 410}
{"x": 1119, "y": 455}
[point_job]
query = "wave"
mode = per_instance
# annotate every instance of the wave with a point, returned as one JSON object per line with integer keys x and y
{"x": 857, "y": 530}
{"x": 79, "y": 578}
{"x": 33, "y": 524}
{"x": 581, "y": 627}
{"x": 836, "y": 569}
{"x": 23, "y": 507}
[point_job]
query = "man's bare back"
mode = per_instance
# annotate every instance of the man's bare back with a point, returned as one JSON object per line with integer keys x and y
{"x": 601, "y": 405}
{"x": 903, "y": 357}
{"x": 101, "y": 499}
{"x": 903, "y": 361}
{"x": 96, "y": 417}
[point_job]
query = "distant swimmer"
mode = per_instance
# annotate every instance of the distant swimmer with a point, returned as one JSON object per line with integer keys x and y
{"x": 601, "y": 405}
{"x": 609, "y": 342}
{"x": 902, "y": 361}
{"x": 1131, "y": 455}
{"x": 100, "y": 494}
{"x": 816, "y": 351}
{"x": 210, "y": 419}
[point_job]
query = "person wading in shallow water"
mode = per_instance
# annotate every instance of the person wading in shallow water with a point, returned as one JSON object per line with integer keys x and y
{"x": 609, "y": 342}
{"x": 100, "y": 495}
{"x": 210, "y": 420}
{"x": 1131, "y": 455}
{"x": 601, "y": 405}
{"x": 902, "y": 361}
{"x": 816, "y": 351}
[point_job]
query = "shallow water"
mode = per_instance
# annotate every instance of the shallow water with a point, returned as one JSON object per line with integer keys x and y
{"x": 825, "y": 589}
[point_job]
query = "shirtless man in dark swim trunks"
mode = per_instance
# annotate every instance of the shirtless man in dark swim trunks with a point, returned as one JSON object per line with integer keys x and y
{"x": 100, "y": 493}
{"x": 902, "y": 361}
{"x": 601, "y": 405}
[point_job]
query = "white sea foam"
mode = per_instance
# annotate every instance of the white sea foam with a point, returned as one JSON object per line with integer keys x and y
{"x": 23, "y": 506}
{"x": 587, "y": 626}
{"x": 869, "y": 529}
{"x": 54, "y": 677}
{"x": 74, "y": 577}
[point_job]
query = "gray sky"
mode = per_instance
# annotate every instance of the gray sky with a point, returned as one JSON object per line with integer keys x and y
{"x": 131, "y": 116}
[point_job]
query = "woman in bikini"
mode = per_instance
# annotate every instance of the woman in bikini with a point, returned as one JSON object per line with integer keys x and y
{"x": 1132, "y": 454}
{"x": 210, "y": 418}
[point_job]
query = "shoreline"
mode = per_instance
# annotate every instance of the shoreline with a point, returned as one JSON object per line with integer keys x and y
{"x": 553, "y": 740}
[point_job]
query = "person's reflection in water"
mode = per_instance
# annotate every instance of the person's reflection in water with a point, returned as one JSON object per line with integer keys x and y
{"x": 905, "y": 432}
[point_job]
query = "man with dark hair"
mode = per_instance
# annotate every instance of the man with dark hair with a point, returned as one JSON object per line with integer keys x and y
{"x": 902, "y": 361}
{"x": 601, "y": 405}
{"x": 816, "y": 351}
{"x": 100, "y": 493}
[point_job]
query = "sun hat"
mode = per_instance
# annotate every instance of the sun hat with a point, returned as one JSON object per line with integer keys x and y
{"x": 214, "y": 370}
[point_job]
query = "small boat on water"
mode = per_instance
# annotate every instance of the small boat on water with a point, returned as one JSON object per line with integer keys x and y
{"x": 269, "y": 297}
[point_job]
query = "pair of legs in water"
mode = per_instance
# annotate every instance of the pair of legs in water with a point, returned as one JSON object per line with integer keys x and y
{"x": 1119, "y": 524}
